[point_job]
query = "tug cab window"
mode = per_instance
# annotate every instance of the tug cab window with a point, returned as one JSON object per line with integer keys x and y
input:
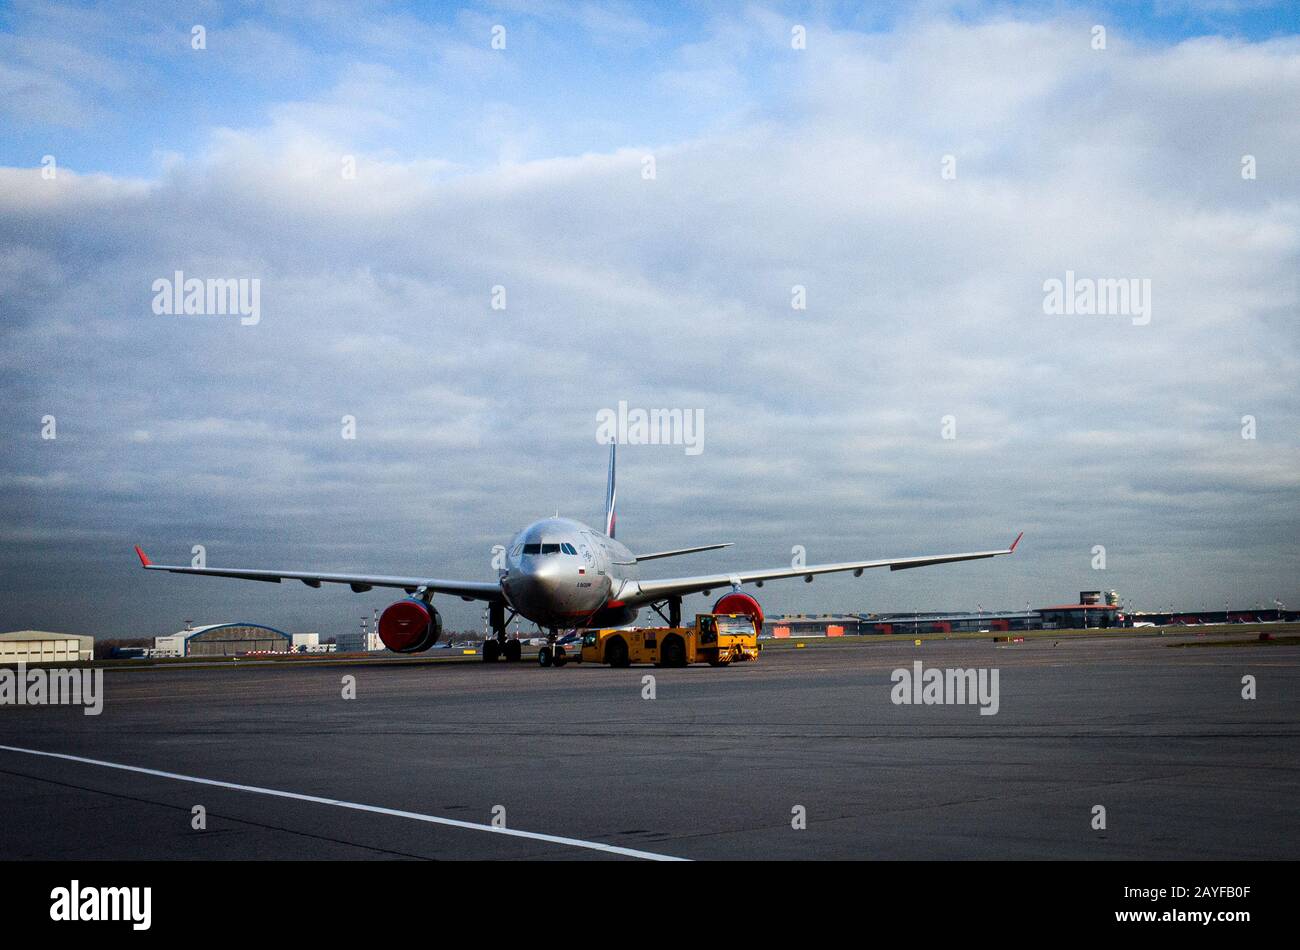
{"x": 708, "y": 630}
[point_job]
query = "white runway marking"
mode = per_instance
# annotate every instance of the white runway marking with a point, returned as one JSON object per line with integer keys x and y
{"x": 355, "y": 806}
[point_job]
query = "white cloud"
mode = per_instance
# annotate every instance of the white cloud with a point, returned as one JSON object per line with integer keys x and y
{"x": 822, "y": 426}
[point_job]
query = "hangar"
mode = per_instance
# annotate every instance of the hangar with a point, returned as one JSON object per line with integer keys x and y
{"x": 224, "y": 639}
{"x": 42, "y": 646}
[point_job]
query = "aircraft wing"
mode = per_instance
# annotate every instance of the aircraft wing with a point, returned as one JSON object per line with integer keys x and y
{"x": 465, "y": 590}
{"x": 635, "y": 593}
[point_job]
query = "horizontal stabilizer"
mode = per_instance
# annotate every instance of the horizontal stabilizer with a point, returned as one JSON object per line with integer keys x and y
{"x": 677, "y": 551}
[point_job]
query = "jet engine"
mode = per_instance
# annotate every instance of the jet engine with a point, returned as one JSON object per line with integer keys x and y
{"x": 409, "y": 626}
{"x": 738, "y": 603}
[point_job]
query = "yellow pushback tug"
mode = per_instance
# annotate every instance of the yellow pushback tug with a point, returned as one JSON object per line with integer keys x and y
{"x": 716, "y": 639}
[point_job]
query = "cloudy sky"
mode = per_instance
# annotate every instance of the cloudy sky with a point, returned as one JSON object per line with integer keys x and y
{"x": 920, "y": 170}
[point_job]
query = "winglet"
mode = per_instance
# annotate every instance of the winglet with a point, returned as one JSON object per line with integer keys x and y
{"x": 1015, "y": 542}
{"x": 144, "y": 558}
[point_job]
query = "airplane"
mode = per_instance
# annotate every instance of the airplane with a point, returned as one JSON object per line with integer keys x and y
{"x": 562, "y": 574}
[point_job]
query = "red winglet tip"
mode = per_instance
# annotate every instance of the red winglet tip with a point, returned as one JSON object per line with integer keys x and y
{"x": 144, "y": 558}
{"x": 1016, "y": 541}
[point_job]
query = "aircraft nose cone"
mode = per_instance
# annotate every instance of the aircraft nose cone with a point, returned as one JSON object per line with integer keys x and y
{"x": 538, "y": 583}
{"x": 546, "y": 579}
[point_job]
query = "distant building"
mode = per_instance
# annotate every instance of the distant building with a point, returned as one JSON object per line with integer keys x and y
{"x": 350, "y": 642}
{"x": 41, "y": 646}
{"x": 810, "y": 625}
{"x": 1195, "y": 617}
{"x": 224, "y": 639}
{"x": 951, "y": 621}
{"x": 1079, "y": 616}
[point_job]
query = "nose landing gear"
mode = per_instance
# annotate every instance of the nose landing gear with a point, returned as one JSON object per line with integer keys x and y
{"x": 552, "y": 654}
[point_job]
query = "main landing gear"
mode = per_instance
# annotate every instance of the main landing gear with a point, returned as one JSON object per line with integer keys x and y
{"x": 552, "y": 654}
{"x": 498, "y": 647}
{"x": 674, "y": 616}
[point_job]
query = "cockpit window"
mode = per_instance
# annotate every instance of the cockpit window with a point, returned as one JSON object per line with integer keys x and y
{"x": 562, "y": 547}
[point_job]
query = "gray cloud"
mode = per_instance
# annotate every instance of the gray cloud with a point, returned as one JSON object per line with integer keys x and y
{"x": 822, "y": 426}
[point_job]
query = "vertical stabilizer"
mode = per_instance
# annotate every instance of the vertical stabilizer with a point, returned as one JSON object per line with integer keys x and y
{"x": 610, "y": 495}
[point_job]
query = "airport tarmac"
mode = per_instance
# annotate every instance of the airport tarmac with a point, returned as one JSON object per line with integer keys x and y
{"x": 713, "y": 767}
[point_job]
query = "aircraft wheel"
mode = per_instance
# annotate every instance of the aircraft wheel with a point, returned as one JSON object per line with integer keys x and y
{"x": 512, "y": 651}
{"x": 491, "y": 651}
{"x": 544, "y": 656}
{"x": 560, "y": 657}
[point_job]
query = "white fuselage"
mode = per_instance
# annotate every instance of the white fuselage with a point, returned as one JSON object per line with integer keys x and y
{"x": 561, "y": 574}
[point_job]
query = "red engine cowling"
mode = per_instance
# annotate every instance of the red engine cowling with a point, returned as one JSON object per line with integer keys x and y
{"x": 409, "y": 626}
{"x": 738, "y": 603}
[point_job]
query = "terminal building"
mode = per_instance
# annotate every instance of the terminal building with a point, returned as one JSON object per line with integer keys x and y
{"x": 953, "y": 622}
{"x": 1094, "y": 609}
{"x": 224, "y": 639}
{"x": 42, "y": 646}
